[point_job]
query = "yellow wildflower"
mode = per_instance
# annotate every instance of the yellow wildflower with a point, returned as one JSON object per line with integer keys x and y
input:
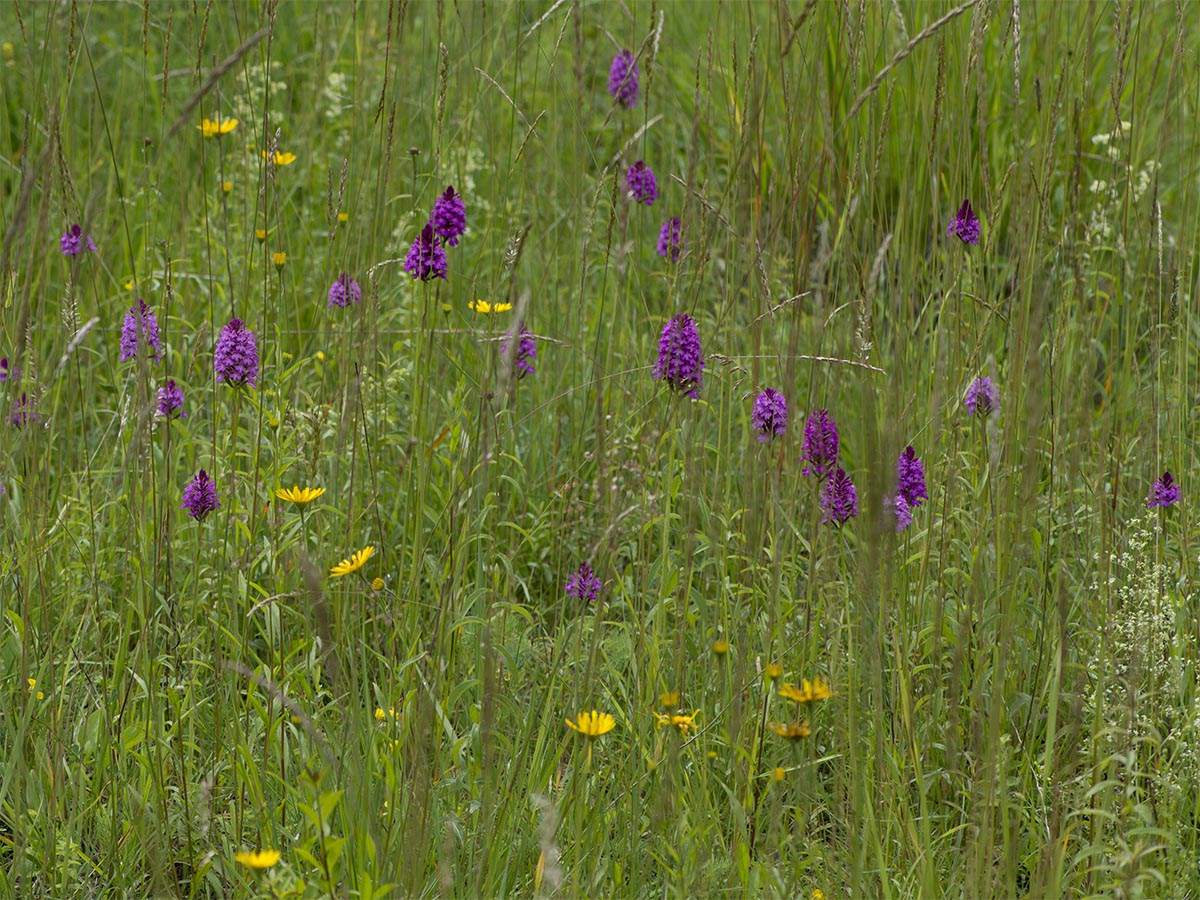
{"x": 279, "y": 258}
{"x": 774, "y": 671}
{"x": 817, "y": 894}
{"x": 343, "y": 216}
{"x": 280, "y": 159}
{"x": 33, "y": 689}
{"x": 299, "y": 495}
{"x": 257, "y": 859}
{"x": 377, "y": 584}
{"x": 226, "y": 186}
{"x": 791, "y": 732}
{"x": 778, "y": 773}
{"x": 482, "y": 306}
{"x": 380, "y": 715}
{"x": 210, "y": 128}
{"x": 354, "y": 563}
{"x": 669, "y": 699}
{"x": 720, "y": 647}
{"x": 320, "y": 356}
{"x": 681, "y": 722}
{"x": 808, "y": 692}
{"x": 260, "y": 234}
{"x": 593, "y": 724}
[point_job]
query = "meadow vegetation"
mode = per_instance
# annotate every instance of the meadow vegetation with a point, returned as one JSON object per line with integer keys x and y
{"x": 363, "y": 538}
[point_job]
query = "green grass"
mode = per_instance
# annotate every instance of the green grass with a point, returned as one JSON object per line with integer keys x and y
{"x": 1017, "y": 711}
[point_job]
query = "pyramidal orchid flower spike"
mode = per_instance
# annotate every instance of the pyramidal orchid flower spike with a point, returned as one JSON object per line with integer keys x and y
{"x": 344, "y": 291}
{"x": 623, "y": 79}
{"x": 236, "y": 356}
{"x": 964, "y": 225}
{"x": 426, "y": 257}
{"x": 819, "y": 452}
{"x": 200, "y": 496}
{"x": 910, "y": 478}
{"x": 670, "y": 239}
{"x": 449, "y": 216}
{"x": 983, "y": 398}
{"x": 680, "y": 361}
{"x": 526, "y": 352}
{"x": 170, "y": 401}
{"x": 1165, "y": 492}
{"x": 839, "y": 499}
{"x": 74, "y": 241}
{"x": 640, "y": 182}
{"x": 140, "y": 328}
{"x": 584, "y": 584}
{"x": 769, "y": 417}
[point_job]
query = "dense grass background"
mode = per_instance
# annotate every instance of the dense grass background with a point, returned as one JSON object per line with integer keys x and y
{"x": 1017, "y": 709}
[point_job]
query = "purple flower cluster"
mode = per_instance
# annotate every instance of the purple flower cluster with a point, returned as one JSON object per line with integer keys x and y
{"x": 23, "y": 412}
{"x": 1165, "y": 492}
{"x": 839, "y": 499}
{"x": 910, "y": 487}
{"x": 236, "y": 357}
{"x": 74, "y": 241}
{"x": 584, "y": 584}
{"x": 670, "y": 239}
{"x": 344, "y": 291}
{"x": 641, "y": 183}
{"x": 200, "y": 496}
{"x": 769, "y": 417}
{"x": 680, "y": 361}
{"x": 426, "y": 258}
{"x": 819, "y": 452}
{"x": 170, "y": 400}
{"x": 447, "y": 223}
{"x": 449, "y": 217}
{"x": 140, "y": 326}
{"x": 5, "y": 372}
{"x": 526, "y": 352}
{"x": 623, "y": 79}
{"x": 982, "y": 398}
{"x": 964, "y": 225}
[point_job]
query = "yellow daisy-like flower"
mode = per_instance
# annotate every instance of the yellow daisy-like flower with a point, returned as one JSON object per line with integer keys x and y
{"x": 299, "y": 495}
{"x": 260, "y": 234}
{"x": 343, "y": 217}
{"x": 681, "y": 722}
{"x": 354, "y": 563}
{"x": 720, "y": 647}
{"x": 280, "y": 159}
{"x": 210, "y": 128}
{"x": 778, "y": 773}
{"x": 774, "y": 671}
{"x": 377, "y": 584}
{"x": 226, "y": 186}
{"x": 794, "y": 732}
{"x": 279, "y": 258}
{"x": 808, "y": 692}
{"x": 320, "y": 356}
{"x": 380, "y": 715}
{"x": 33, "y": 689}
{"x": 482, "y": 306}
{"x": 669, "y": 699}
{"x": 257, "y": 859}
{"x": 817, "y": 894}
{"x": 593, "y": 724}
